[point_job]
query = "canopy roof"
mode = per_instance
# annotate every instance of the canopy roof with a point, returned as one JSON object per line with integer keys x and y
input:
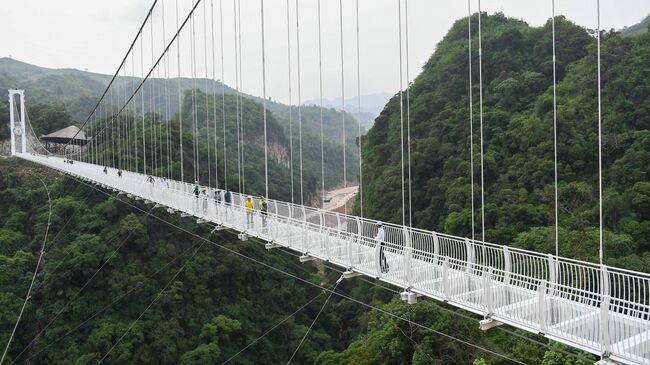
{"x": 66, "y": 135}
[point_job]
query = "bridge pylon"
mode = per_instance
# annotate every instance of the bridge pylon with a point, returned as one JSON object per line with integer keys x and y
{"x": 17, "y": 130}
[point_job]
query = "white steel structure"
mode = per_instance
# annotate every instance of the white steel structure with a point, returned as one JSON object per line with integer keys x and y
{"x": 17, "y": 130}
{"x": 600, "y": 309}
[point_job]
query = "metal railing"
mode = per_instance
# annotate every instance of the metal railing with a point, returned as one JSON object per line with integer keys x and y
{"x": 600, "y": 309}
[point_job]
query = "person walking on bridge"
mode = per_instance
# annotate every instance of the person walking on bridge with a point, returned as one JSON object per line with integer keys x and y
{"x": 197, "y": 188}
{"x": 227, "y": 199}
{"x": 264, "y": 210}
{"x": 383, "y": 263}
{"x": 248, "y": 205}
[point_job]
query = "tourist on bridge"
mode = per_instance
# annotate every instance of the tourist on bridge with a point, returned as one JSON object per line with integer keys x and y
{"x": 248, "y": 204}
{"x": 204, "y": 198}
{"x": 151, "y": 180}
{"x": 105, "y": 170}
{"x": 119, "y": 173}
{"x": 197, "y": 188}
{"x": 264, "y": 209}
{"x": 383, "y": 263}
{"x": 227, "y": 198}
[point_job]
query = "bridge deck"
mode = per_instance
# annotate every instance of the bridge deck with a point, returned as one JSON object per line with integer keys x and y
{"x": 560, "y": 298}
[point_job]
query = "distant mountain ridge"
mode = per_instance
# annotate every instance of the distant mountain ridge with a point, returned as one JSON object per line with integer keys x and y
{"x": 371, "y": 106}
{"x": 638, "y": 28}
{"x": 78, "y": 91}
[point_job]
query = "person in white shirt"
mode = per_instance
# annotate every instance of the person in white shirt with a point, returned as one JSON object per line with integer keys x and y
{"x": 383, "y": 263}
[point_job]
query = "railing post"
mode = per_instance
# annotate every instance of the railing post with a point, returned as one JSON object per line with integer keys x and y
{"x": 507, "y": 263}
{"x": 552, "y": 272}
{"x": 408, "y": 256}
{"x": 349, "y": 242}
{"x": 338, "y": 231}
{"x": 487, "y": 290}
{"x": 445, "y": 278}
{"x": 604, "y": 310}
{"x": 471, "y": 255}
{"x": 436, "y": 248}
{"x": 541, "y": 306}
{"x": 303, "y": 236}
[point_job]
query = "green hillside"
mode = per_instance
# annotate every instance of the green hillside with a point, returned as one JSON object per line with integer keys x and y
{"x": 50, "y": 93}
{"x": 518, "y": 129}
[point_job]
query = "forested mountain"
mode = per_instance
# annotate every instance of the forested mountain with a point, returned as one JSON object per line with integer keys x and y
{"x": 50, "y": 93}
{"x": 518, "y": 131}
{"x": 220, "y": 302}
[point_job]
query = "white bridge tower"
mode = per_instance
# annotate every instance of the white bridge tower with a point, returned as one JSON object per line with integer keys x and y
{"x": 17, "y": 130}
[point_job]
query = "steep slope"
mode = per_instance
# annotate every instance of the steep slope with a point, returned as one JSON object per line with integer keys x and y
{"x": 518, "y": 131}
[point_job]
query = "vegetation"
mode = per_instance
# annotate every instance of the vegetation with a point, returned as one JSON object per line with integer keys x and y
{"x": 518, "y": 132}
{"x": 105, "y": 262}
{"x": 220, "y": 301}
{"x": 77, "y": 92}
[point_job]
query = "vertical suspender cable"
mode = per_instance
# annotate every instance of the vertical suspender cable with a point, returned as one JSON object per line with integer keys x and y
{"x": 401, "y": 107}
{"x": 223, "y": 99}
{"x": 345, "y": 180}
{"x": 180, "y": 95}
{"x": 358, "y": 110}
{"x": 471, "y": 110}
{"x": 234, "y": 7}
{"x": 290, "y": 106}
{"x": 600, "y": 149}
{"x": 194, "y": 108}
{"x": 119, "y": 128}
{"x": 167, "y": 108}
{"x": 408, "y": 108}
{"x": 144, "y": 143}
{"x": 241, "y": 104}
{"x": 113, "y": 163}
{"x": 480, "y": 77}
{"x": 320, "y": 94}
{"x": 135, "y": 116}
{"x": 152, "y": 109}
{"x": 302, "y": 199}
{"x": 214, "y": 100}
{"x": 266, "y": 158}
{"x": 207, "y": 104}
{"x": 557, "y": 223}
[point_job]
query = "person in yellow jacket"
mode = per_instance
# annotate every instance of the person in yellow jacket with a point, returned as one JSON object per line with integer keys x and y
{"x": 248, "y": 205}
{"x": 264, "y": 209}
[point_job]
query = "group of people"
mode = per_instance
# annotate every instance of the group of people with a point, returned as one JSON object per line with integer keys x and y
{"x": 67, "y": 160}
{"x": 263, "y": 208}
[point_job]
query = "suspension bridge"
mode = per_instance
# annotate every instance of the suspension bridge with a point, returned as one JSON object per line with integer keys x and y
{"x": 593, "y": 307}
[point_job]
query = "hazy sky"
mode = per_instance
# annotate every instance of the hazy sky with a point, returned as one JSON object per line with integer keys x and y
{"x": 94, "y": 35}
